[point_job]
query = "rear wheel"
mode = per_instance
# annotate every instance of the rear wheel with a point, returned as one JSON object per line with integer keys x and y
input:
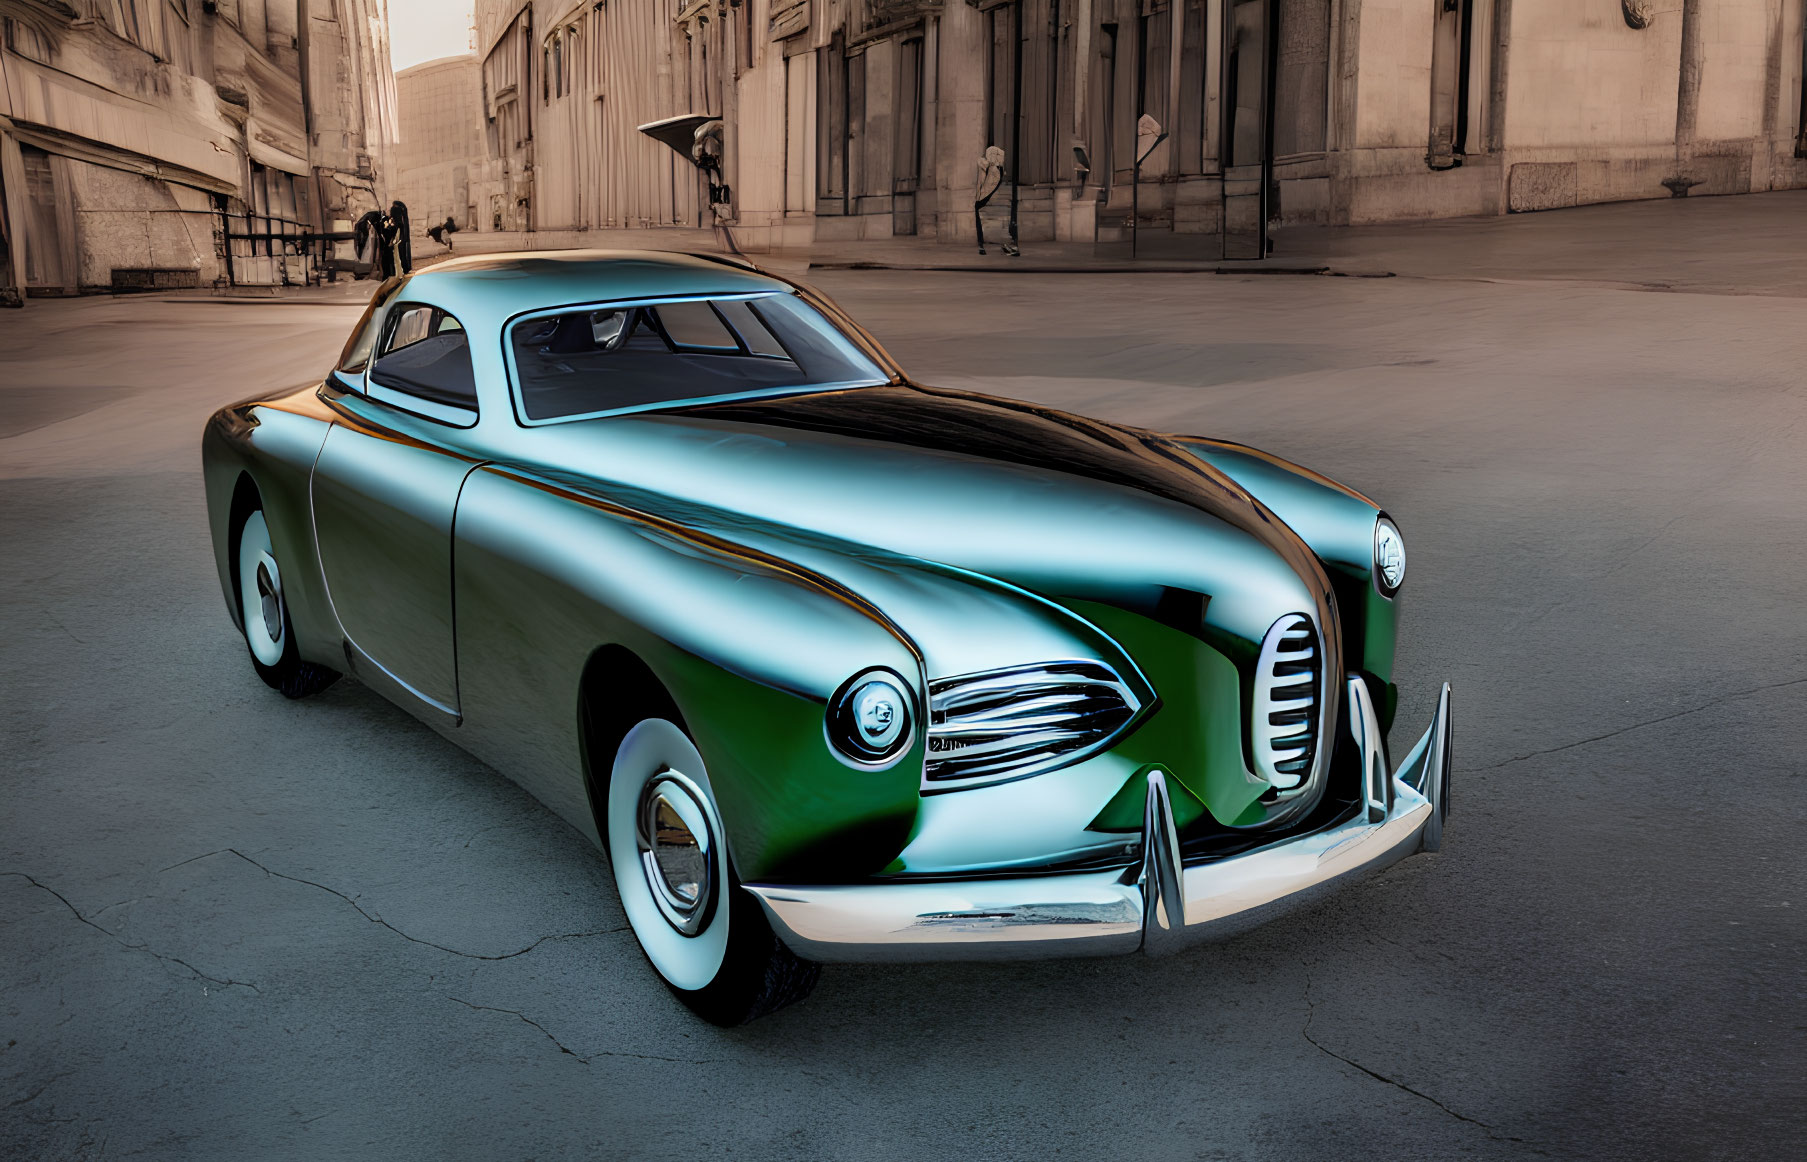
{"x": 264, "y": 612}
{"x": 706, "y": 936}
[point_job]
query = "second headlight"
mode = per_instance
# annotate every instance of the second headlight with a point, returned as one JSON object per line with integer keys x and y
{"x": 1389, "y": 557}
{"x": 870, "y": 722}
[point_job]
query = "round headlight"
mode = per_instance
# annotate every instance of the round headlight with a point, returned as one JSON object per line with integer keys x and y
{"x": 869, "y": 719}
{"x": 1389, "y": 557}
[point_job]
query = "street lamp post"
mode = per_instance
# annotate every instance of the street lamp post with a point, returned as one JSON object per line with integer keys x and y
{"x": 697, "y": 138}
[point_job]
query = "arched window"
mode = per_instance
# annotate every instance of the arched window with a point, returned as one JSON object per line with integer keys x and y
{"x": 561, "y": 63}
{"x": 554, "y": 82}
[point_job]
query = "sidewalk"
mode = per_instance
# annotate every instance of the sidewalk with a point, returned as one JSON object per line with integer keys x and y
{"x": 346, "y": 290}
{"x": 1185, "y": 255}
{"x": 1746, "y": 244}
{"x": 1741, "y": 244}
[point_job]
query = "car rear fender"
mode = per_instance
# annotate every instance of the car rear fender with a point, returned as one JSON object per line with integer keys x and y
{"x": 262, "y": 453}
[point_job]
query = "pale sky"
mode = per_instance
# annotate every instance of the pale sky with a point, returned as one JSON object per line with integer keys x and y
{"x": 424, "y": 30}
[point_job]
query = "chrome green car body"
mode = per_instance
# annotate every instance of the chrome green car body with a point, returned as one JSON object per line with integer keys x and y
{"x": 516, "y": 585}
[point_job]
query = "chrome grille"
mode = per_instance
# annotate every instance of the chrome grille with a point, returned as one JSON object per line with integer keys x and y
{"x": 1004, "y": 724}
{"x": 1288, "y": 686}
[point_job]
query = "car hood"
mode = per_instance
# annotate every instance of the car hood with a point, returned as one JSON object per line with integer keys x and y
{"x": 1072, "y": 509}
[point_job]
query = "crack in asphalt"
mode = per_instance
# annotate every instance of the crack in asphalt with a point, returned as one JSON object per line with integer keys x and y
{"x": 54, "y": 620}
{"x": 189, "y": 860}
{"x": 1311, "y": 1012}
{"x": 376, "y": 919}
{"x": 566, "y": 1049}
{"x": 124, "y": 943}
{"x": 1707, "y": 705}
{"x": 46, "y": 1084}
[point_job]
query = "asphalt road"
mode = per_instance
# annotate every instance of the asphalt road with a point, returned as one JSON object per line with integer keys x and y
{"x": 235, "y": 927}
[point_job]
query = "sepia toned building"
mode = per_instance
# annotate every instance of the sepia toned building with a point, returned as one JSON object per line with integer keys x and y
{"x": 171, "y": 143}
{"x": 441, "y": 151}
{"x": 565, "y": 87}
{"x": 863, "y": 119}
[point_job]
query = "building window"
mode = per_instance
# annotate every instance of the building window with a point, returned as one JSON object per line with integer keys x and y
{"x": 27, "y": 41}
{"x": 1451, "y": 65}
{"x": 139, "y": 21}
{"x": 832, "y": 100}
{"x": 907, "y": 162}
{"x": 560, "y": 63}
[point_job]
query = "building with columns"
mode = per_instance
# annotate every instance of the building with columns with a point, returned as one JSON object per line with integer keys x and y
{"x": 1196, "y": 122}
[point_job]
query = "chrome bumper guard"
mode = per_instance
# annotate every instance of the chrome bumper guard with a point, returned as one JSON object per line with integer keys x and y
{"x": 1157, "y": 905}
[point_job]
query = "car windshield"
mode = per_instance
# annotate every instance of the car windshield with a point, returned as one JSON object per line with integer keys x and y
{"x": 606, "y": 358}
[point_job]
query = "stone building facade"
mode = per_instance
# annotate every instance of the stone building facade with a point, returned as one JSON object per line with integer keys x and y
{"x": 442, "y": 150}
{"x": 170, "y": 143}
{"x": 1197, "y": 122}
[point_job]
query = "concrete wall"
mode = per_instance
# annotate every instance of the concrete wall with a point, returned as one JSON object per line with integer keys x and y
{"x": 1590, "y": 109}
{"x": 1393, "y": 110}
{"x": 132, "y": 221}
{"x": 1583, "y": 80}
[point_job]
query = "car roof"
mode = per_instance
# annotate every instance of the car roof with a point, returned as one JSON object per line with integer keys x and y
{"x": 488, "y": 289}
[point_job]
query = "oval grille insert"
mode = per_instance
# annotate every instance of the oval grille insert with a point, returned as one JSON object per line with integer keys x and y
{"x": 1005, "y": 724}
{"x": 1288, "y": 684}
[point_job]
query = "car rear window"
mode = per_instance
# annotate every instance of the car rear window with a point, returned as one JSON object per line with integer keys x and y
{"x": 605, "y": 358}
{"x": 427, "y": 355}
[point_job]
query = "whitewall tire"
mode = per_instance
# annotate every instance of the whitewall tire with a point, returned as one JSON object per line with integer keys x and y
{"x": 707, "y": 938}
{"x": 264, "y": 615}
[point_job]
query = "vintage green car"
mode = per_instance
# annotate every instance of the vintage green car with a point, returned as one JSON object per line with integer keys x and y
{"x": 832, "y": 665}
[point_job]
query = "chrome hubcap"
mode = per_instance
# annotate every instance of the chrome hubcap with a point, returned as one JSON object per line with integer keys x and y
{"x": 270, "y": 598}
{"x": 677, "y": 852}
{"x": 260, "y": 592}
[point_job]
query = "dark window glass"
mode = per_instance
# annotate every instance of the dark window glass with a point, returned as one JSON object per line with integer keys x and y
{"x": 427, "y": 355}
{"x": 752, "y": 332}
{"x": 597, "y": 360}
{"x": 695, "y": 326}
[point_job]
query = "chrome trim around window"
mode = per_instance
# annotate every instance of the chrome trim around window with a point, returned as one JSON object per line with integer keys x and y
{"x": 514, "y": 378}
{"x": 425, "y": 408}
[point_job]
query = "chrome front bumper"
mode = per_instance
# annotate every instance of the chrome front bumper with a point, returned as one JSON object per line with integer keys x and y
{"x": 1156, "y": 905}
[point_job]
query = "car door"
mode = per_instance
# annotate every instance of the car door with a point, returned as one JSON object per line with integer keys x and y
{"x": 385, "y": 487}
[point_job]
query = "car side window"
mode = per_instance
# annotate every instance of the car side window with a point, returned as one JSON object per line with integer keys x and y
{"x": 425, "y": 355}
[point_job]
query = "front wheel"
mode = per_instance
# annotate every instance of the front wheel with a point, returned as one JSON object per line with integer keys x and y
{"x": 264, "y": 612}
{"x": 706, "y": 936}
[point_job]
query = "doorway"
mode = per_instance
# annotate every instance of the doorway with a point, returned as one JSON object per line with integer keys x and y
{"x": 1248, "y": 128}
{"x": 51, "y": 267}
